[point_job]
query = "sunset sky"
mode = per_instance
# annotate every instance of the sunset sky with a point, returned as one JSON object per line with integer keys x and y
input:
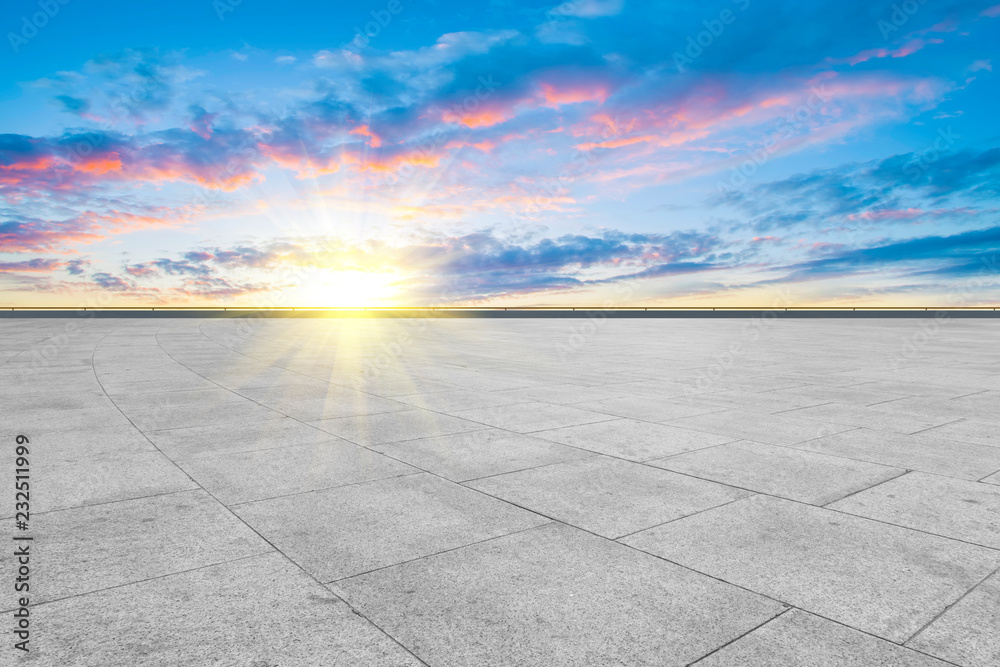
{"x": 598, "y": 152}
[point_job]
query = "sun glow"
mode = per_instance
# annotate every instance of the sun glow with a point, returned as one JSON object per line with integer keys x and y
{"x": 330, "y": 288}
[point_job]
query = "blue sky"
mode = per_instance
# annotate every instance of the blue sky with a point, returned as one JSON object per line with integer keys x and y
{"x": 595, "y": 152}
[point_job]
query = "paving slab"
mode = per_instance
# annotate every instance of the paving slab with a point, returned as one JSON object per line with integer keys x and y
{"x": 348, "y": 530}
{"x": 43, "y": 420}
{"x": 242, "y": 436}
{"x": 408, "y": 386}
{"x": 769, "y": 429}
{"x": 955, "y": 508}
{"x": 914, "y": 452}
{"x": 648, "y": 408}
{"x": 882, "y": 579}
{"x": 199, "y": 398}
{"x": 461, "y": 399}
{"x": 758, "y": 401}
{"x": 967, "y": 633}
{"x": 182, "y": 416}
{"x": 633, "y": 440}
{"x": 800, "y": 475}
{"x": 252, "y": 612}
{"x": 465, "y": 456}
{"x": 100, "y": 479}
{"x": 528, "y": 417}
{"x": 352, "y": 404}
{"x": 91, "y": 548}
{"x": 255, "y": 475}
{"x": 800, "y": 638}
{"x": 54, "y": 447}
{"x": 985, "y": 402}
{"x": 880, "y": 417}
{"x": 850, "y": 395}
{"x": 381, "y": 429}
{"x": 607, "y": 496}
{"x": 563, "y": 394}
{"x": 977, "y": 431}
{"x": 554, "y": 596}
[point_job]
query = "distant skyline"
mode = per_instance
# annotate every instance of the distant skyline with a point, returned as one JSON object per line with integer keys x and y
{"x": 595, "y": 152}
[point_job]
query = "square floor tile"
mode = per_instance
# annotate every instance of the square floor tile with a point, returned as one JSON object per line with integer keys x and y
{"x": 878, "y": 578}
{"x": 798, "y": 638}
{"x": 967, "y": 633}
{"x": 169, "y": 417}
{"x": 648, "y": 408}
{"x": 476, "y": 454}
{"x": 975, "y": 431}
{"x": 633, "y": 440}
{"x": 554, "y": 596}
{"x": 769, "y": 429}
{"x": 881, "y": 417}
{"x": 381, "y": 429}
{"x": 348, "y": 530}
{"x": 955, "y": 508}
{"x": 333, "y": 407}
{"x": 245, "y": 476}
{"x": 458, "y": 400}
{"x": 528, "y": 417}
{"x": 251, "y": 612}
{"x": 103, "y": 479}
{"x": 915, "y": 452}
{"x": 91, "y": 548}
{"x": 606, "y": 496}
{"x": 780, "y": 471}
{"x": 239, "y": 437}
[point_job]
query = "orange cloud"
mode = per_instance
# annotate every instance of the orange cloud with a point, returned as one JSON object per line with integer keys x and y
{"x": 474, "y": 119}
{"x": 556, "y": 97}
{"x": 374, "y": 140}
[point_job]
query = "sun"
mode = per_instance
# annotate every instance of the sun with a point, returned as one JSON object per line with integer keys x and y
{"x": 331, "y": 288}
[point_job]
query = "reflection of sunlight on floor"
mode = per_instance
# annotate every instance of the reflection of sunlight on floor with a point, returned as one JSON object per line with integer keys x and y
{"x": 329, "y": 288}
{"x": 356, "y": 356}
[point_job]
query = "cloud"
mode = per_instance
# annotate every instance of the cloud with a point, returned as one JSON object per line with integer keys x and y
{"x": 225, "y": 160}
{"x": 37, "y": 265}
{"x": 965, "y": 254}
{"x": 111, "y": 283}
{"x": 73, "y": 105}
{"x": 470, "y": 266}
{"x": 874, "y": 191}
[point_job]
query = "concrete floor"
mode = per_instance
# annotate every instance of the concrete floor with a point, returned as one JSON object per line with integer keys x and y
{"x": 288, "y": 493}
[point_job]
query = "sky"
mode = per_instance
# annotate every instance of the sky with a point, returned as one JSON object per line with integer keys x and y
{"x": 603, "y": 153}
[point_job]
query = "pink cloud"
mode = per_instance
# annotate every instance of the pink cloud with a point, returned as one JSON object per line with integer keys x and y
{"x": 907, "y": 49}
